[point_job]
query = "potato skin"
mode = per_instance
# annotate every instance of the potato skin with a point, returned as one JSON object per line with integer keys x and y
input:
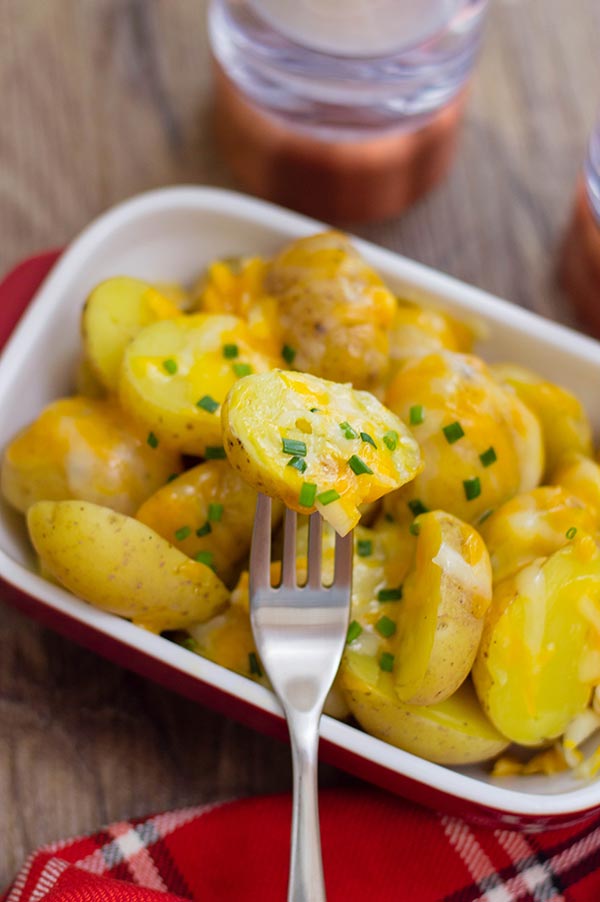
{"x": 120, "y": 565}
{"x": 80, "y": 448}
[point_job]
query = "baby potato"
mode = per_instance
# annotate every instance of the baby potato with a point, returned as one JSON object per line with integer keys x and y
{"x": 451, "y": 732}
{"x": 440, "y": 620}
{"x": 564, "y": 422}
{"x": 580, "y": 476}
{"x": 532, "y": 525}
{"x": 119, "y": 565}
{"x": 207, "y": 512}
{"x": 84, "y": 449}
{"x": 176, "y": 373}
{"x": 334, "y": 310}
{"x": 114, "y": 313}
{"x": 419, "y": 330}
{"x": 316, "y": 445}
{"x": 480, "y": 443}
{"x": 540, "y": 651}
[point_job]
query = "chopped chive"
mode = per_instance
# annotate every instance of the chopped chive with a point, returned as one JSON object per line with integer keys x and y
{"x": 328, "y": 497}
{"x": 242, "y": 369}
{"x": 298, "y": 463}
{"x": 189, "y": 643}
{"x": 416, "y": 414}
{"x": 488, "y": 457}
{"x": 170, "y": 366}
{"x": 472, "y": 488}
{"x": 204, "y": 530}
{"x": 314, "y": 410}
{"x": 307, "y": 495}
{"x": 182, "y": 533}
{"x": 348, "y": 431}
{"x": 230, "y": 351}
{"x": 390, "y": 594}
{"x": 414, "y": 528}
{"x": 171, "y": 477}
{"x": 152, "y": 440}
{"x": 205, "y": 557}
{"x": 255, "y": 667}
{"x": 571, "y": 532}
{"x": 364, "y": 547}
{"x": 417, "y": 507}
{"x": 487, "y": 514}
{"x": 215, "y": 452}
{"x": 390, "y": 440}
{"x": 453, "y": 432}
{"x": 389, "y": 518}
{"x": 367, "y": 438}
{"x": 207, "y": 403}
{"x": 385, "y": 627}
{"x": 354, "y": 631}
{"x": 358, "y": 466}
{"x": 386, "y": 661}
{"x": 288, "y": 354}
{"x": 293, "y": 446}
{"x": 215, "y": 512}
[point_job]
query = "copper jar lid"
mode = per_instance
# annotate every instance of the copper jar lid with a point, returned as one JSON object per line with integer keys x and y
{"x": 580, "y": 262}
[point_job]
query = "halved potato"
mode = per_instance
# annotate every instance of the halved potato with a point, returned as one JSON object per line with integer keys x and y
{"x": 418, "y": 330}
{"x": 176, "y": 374}
{"x": 85, "y": 449}
{"x": 120, "y": 565}
{"x": 440, "y": 620}
{"x": 114, "y": 313}
{"x": 316, "y": 445}
{"x": 580, "y": 475}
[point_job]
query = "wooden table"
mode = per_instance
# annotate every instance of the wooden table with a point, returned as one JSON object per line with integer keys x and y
{"x": 101, "y": 99}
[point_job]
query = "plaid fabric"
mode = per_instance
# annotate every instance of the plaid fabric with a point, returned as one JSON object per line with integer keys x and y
{"x": 375, "y": 847}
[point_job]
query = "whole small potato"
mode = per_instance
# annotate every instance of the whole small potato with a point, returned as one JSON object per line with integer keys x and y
{"x": 120, "y": 565}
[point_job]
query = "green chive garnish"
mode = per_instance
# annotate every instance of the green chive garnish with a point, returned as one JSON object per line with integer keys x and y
{"x": 293, "y": 446}
{"x": 385, "y": 627}
{"x": 571, "y": 532}
{"x": 354, "y": 631}
{"x": 414, "y": 528}
{"x": 390, "y": 439}
{"x": 348, "y": 431}
{"x": 215, "y": 452}
{"x": 288, "y": 354}
{"x": 189, "y": 643}
{"x": 152, "y": 440}
{"x": 205, "y": 557}
{"x": 472, "y": 488}
{"x": 389, "y": 518}
{"x": 298, "y": 463}
{"x": 328, "y": 497}
{"x": 215, "y": 512}
{"x": 358, "y": 466}
{"x": 364, "y": 547}
{"x": 170, "y": 366}
{"x": 172, "y": 477}
{"x": 314, "y": 410}
{"x": 487, "y": 514}
{"x": 417, "y": 507}
{"x": 367, "y": 438}
{"x": 390, "y": 594}
{"x": 453, "y": 432}
{"x": 255, "y": 667}
{"x": 416, "y": 414}
{"x": 182, "y": 533}
{"x": 242, "y": 369}
{"x": 307, "y": 495}
{"x": 488, "y": 457}
{"x": 230, "y": 351}
{"x": 204, "y": 530}
{"x": 207, "y": 403}
{"x": 386, "y": 661}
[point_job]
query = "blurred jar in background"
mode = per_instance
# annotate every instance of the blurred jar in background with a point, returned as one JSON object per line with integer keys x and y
{"x": 344, "y": 110}
{"x": 580, "y": 263}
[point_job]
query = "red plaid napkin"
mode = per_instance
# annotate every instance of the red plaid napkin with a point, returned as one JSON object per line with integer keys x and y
{"x": 375, "y": 847}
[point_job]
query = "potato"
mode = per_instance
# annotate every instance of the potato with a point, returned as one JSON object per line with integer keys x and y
{"x": 177, "y": 294}
{"x": 84, "y": 449}
{"x": 316, "y": 445}
{"x": 114, "y": 313}
{"x": 533, "y": 525}
{"x": 440, "y": 620}
{"x": 481, "y": 445}
{"x": 540, "y": 651}
{"x": 565, "y": 425}
{"x": 176, "y": 374}
{"x": 452, "y": 732}
{"x": 419, "y": 330}
{"x": 119, "y": 565}
{"x": 334, "y": 310}
{"x": 208, "y": 510}
{"x": 580, "y": 476}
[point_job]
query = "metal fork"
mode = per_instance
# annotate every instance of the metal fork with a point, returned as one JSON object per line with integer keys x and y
{"x": 300, "y": 634}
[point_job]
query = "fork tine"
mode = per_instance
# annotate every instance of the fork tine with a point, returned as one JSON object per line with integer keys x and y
{"x": 260, "y": 551}
{"x": 288, "y": 571}
{"x": 344, "y": 547}
{"x": 314, "y": 551}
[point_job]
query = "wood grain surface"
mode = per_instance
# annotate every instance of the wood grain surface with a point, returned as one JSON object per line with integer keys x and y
{"x": 100, "y": 99}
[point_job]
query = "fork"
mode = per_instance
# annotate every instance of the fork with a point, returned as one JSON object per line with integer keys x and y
{"x": 300, "y": 634}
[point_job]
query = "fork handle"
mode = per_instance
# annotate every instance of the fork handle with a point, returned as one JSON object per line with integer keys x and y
{"x": 306, "y": 882}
